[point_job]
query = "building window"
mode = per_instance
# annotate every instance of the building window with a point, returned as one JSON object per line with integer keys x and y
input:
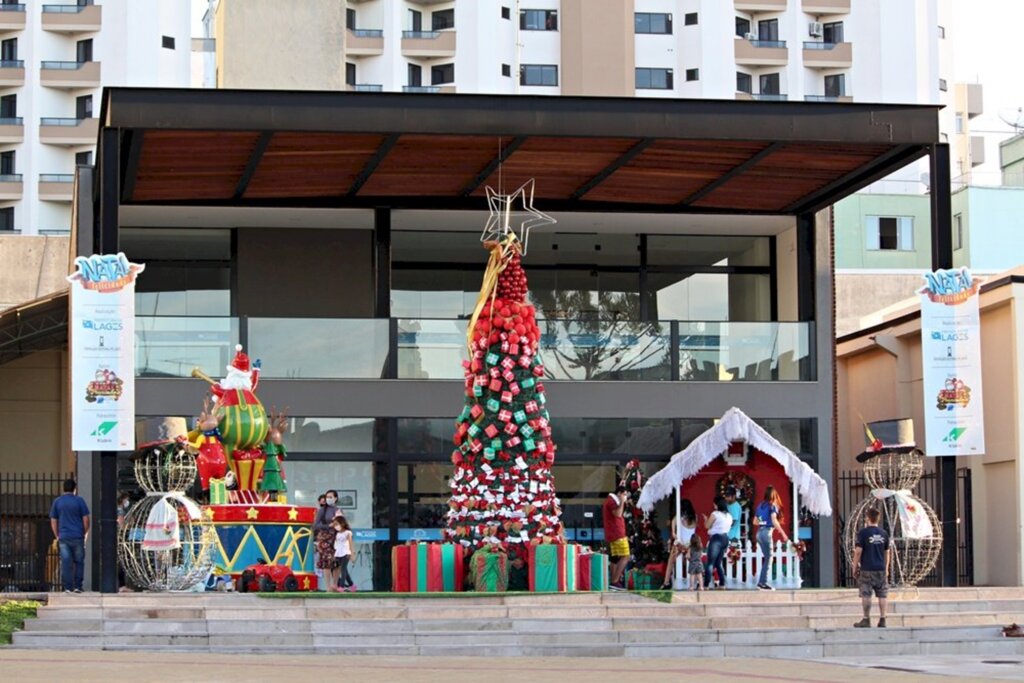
{"x": 693, "y": 74}
{"x": 7, "y": 219}
{"x": 9, "y": 107}
{"x": 654, "y": 79}
{"x": 742, "y": 27}
{"x": 959, "y": 122}
{"x": 83, "y": 107}
{"x": 942, "y": 85}
{"x": 415, "y": 20}
{"x": 167, "y": 42}
{"x": 506, "y": 13}
{"x": 84, "y": 51}
{"x": 744, "y": 82}
{"x": 770, "y": 84}
{"x": 942, "y": 32}
{"x": 890, "y": 233}
{"x": 350, "y": 19}
{"x": 9, "y": 50}
{"x": 538, "y": 20}
{"x": 506, "y": 70}
{"x": 83, "y": 158}
{"x": 538, "y": 74}
{"x": 958, "y": 232}
{"x": 690, "y": 19}
{"x": 833, "y": 33}
{"x": 835, "y": 86}
{"x": 415, "y": 75}
{"x": 350, "y": 73}
{"x": 7, "y": 163}
{"x": 442, "y": 19}
{"x": 442, "y": 73}
{"x": 768, "y": 30}
{"x": 651, "y": 22}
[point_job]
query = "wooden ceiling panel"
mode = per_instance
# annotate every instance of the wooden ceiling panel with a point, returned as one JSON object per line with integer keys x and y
{"x": 431, "y": 165}
{"x": 311, "y": 164}
{"x": 180, "y": 164}
{"x": 560, "y": 165}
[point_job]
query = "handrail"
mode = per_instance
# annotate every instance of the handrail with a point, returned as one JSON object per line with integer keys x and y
{"x": 63, "y": 65}
{"x": 817, "y": 45}
{"x": 428, "y": 35}
{"x": 10, "y": 178}
{"x": 367, "y": 32}
{"x": 368, "y": 87}
{"x": 12, "y": 121}
{"x": 768, "y": 43}
{"x": 12, "y": 63}
{"x": 421, "y": 88}
{"x": 823, "y": 98}
{"x": 770, "y": 97}
{"x": 19, "y": 7}
{"x": 65, "y": 9}
{"x": 56, "y": 177}
{"x": 61, "y": 121}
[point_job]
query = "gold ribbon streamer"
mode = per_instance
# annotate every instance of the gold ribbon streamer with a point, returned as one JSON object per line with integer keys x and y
{"x": 501, "y": 254}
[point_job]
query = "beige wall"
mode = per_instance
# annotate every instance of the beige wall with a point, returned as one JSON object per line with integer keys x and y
{"x": 861, "y": 294}
{"x": 880, "y": 377}
{"x": 31, "y": 266}
{"x": 273, "y": 45}
{"x": 33, "y": 414}
{"x": 598, "y": 54}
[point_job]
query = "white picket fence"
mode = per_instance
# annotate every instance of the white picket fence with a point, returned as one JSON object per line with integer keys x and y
{"x": 783, "y": 572}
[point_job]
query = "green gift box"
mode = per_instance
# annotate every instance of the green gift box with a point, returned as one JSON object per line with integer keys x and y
{"x": 218, "y": 492}
{"x": 639, "y": 580}
{"x": 489, "y": 571}
{"x": 553, "y": 567}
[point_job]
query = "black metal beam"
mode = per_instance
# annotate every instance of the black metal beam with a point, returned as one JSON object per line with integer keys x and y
{"x": 372, "y": 164}
{"x": 515, "y": 115}
{"x": 382, "y": 261}
{"x": 493, "y": 165}
{"x": 806, "y": 268}
{"x": 131, "y": 166}
{"x": 624, "y": 159}
{"x": 253, "y": 164}
{"x": 730, "y": 174}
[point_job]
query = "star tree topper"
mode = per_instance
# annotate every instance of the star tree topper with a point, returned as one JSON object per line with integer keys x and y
{"x": 513, "y": 213}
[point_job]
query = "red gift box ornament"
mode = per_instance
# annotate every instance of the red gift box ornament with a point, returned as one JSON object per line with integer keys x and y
{"x": 495, "y": 385}
{"x": 531, "y": 407}
{"x": 491, "y": 431}
{"x": 504, "y": 415}
{"x": 506, "y": 397}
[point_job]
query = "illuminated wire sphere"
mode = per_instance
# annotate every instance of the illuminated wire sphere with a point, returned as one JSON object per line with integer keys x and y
{"x": 165, "y": 468}
{"x": 896, "y": 471}
{"x": 173, "y": 569}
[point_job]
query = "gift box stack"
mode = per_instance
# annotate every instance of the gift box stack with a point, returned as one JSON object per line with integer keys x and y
{"x": 427, "y": 568}
{"x": 592, "y": 572}
{"x": 502, "y": 491}
{"x": 488, "y": 569}
{"x": 553, "y": 567}
{"x": 645, "y": 579}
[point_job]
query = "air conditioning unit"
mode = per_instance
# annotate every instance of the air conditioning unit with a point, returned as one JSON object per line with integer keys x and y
{"x": 749, "y": 36}
{"x": 815, "y": 29}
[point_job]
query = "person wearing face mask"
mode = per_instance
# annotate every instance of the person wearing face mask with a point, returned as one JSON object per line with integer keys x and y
{"x": 324, "y": 534}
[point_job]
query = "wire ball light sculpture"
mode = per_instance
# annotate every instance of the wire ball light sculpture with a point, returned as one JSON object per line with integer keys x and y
{"x": 183, "y": 557}
{"x": 912, "y": 558}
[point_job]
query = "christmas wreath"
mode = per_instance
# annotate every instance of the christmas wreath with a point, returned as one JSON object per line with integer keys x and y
{"x": 734, "y": 553}
{"x": 743, "y": 483}
{"x": 800, "y": 548}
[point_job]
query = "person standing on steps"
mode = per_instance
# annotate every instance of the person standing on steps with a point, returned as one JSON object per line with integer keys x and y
{"x": 615, "y": 535}
{"x": 768, "y": 517}
{"x": 343, "y": 547}
{"x": 871, "y": 567}
{"x": 69, "y": 519}
{"x": 324, "y": 534}
{"x": 718, "y": 524}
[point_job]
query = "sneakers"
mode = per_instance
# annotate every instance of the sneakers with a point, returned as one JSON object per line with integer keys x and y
{"x": 78, "y": 590}
{"x": 67, "y": 590}
{"x": 764, "y": 587}
{"x": 865, "y": 623}
{"x": 881, "y": 623}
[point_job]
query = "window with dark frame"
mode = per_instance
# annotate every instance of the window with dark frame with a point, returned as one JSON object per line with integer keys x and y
{"x": 654, "y": 79}
{"x": 7, "y": 219}
{"x": 768, "y": 29}
{"x": 693, "y": 74}
{"x": 9, "y": 50}
{"x": 506, "y": 13}
{"x": 835, "y": 85}
{"x": 690, "y": 19}
{"x": 167, "y": 42}
{"x": 506, "y": 70}
{"x": 538, "y": 20}
{"x": 744, "y": 82}
{"x": 83, "y": 158}
{"x": 415, "y": 20}
{"x": 958, "y": 232}
{"x": 9, "y": 107}
{"x": 943, "y": 86}
{"x": 83, "y": 51}
{"x": 415, "y": 73}
{"x": 83, "y": 107}
{"x": 742, "y": 27}
{"x": 350, "y": 19}
{"x": 7, "y": 163}
{"x": 538, "y": 74}
{"x": 442, "y": 19}
{"x": 442, "y": 73}
{"x": 770, "y": 84}
{"x": 653, "y": 22}
{"x": 888, "y": 233}
{"x": 350, "y": 73}
{"x": 832, "y": 32}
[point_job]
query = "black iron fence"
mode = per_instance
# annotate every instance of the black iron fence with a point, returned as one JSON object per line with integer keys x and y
{"x": 853, "y": 489}
{"x": 29, "y": 559}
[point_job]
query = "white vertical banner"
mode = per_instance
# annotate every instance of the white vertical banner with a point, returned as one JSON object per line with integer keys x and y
{"x": 102, "y": 341}
{"x": 951, "y": 357}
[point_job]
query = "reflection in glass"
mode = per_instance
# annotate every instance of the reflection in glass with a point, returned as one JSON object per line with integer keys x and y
{"x": 628, "y": 437}
{"x": 592, "y": 294}
{"x": 710, "y": 296}
{"x": 169, "y": 346}
{"x": 725, "y": 351}
{"x": 425, "y": 434}
{"x": 703, "y": 250}
{"x": 431, "y": 349}
{"x": 330, "y": 435}
{"x": 422, "y": 500}
{"x": 321, "y": 348}
{"x": 174, "y": 290}
{"x": 605, "y": 350}
{"x": 440, "y": 293}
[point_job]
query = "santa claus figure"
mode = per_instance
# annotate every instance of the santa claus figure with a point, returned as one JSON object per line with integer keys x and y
{"x": 243, "y": 421}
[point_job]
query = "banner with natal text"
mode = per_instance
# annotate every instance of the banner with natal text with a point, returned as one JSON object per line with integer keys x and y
{"x": 951, "y": 358}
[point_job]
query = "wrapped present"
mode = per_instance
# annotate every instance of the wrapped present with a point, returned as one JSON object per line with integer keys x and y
{"x": 598, "y": 571}
{"x": 491, "y": 359}
{"x": 553, "y": 567}
{"x": 642, "y": 580}
{"x": 476, "y": 411}
{"x": 527, "y": 383}
{"x": 400, "y": 569}
{"x": 491, "y": 431}
{"x": 496, "y": 385}
{"x": 489, "y": 571}
{"x": 218, "y": 492}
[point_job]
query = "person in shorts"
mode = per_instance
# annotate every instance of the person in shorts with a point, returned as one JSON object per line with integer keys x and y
{"x": 615, "y": 535}
{"x": 871, "y": 567}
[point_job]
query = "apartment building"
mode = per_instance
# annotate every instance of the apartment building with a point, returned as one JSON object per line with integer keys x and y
{"x": 54, "y": 61}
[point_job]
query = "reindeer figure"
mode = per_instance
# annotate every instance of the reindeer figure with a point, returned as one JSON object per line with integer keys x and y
{"x": 211, "y": 462}
{"x": 273, "y": 480}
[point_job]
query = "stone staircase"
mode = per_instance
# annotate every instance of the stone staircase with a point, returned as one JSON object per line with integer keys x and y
{"x": 790, "y": 624}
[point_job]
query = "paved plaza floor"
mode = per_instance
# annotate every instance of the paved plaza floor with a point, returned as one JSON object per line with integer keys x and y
{"x": 139, "y": 667}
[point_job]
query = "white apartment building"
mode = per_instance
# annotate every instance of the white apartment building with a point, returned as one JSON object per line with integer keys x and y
{"x": 55, "y": 60}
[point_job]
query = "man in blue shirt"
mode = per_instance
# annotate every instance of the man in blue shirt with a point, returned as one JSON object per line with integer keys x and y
{"x": 69, "y": 519}
{"x": 736, "y": 510}
{"x": 871, "y": 567}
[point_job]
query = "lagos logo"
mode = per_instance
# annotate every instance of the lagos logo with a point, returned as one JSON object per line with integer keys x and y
{"x": 950, "y": 287}
{"x": 105, "y": 272}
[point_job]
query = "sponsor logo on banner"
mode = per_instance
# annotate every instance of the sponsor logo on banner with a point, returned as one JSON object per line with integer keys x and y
{"x": 107, "y": 385}
{"x": 951, "y": 360}
{"x": 100, "y": 325}
{"x": 105, "y": 272}
{"x": 104, "y": 428}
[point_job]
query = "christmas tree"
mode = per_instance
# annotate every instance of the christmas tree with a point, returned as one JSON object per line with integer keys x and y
{"x": 644, "y": 538}
{"x": 502, "y": 489}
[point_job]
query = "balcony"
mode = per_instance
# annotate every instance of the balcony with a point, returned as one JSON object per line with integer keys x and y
{"x": 828, "y": 55}
{"x": 12, "y": 73}
{"x": 977, "y": 150}
{"x": 433, "y": 349}
{"x": 70, "y": 75}
{"x": 770, "y": 97}
{"x": 428, "y": 43}
{"x": 828, "y": 98}
{"x": 12, "y": 18}
{"x": 429, "y": 88}
{"x": 72, "y": 18}
{"x": 365, "y": 87}
{"x": 361, "y": 42}
{"x": 826, "y": 6}
{"x": 68, "y": 132}
{"x": 760, "y": 5}
{"x": 56, "y": 187}
{"x": 12, "y": 130}
{"x": 11, "y": 188}
{"x": 761, "y": 52}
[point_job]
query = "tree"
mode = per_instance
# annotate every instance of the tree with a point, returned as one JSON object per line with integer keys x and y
{"x": 644, "y": 538}
{"x": 502, "y": 489}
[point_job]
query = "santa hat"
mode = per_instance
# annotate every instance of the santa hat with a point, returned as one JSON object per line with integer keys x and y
{"x": 241, "y": 360}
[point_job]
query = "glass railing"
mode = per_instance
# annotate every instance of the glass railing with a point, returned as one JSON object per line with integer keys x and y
{"x": 20, "y": 7}
{"x": 768, "y": 43}
{"x": 815, "y": 45}
{"x": 56, "y": 177}
{"x": 429, "y": 349}
{"x": 65, "y": 9}
{"x": 12, "y": 63}
{"x": 12, "y": 121}
{"x": 368, "y": 87}
{"x": 823, "y": 98}
{"x": 320, "y": 348}
{"x": 421, "y": 35}
{"x": 10, "y": 178}
{"x": 367, "y": 32}
{"x": 63, "y": 66}
{"x": 60, "y": 121}
{"x": 421, "y": 88}
{"x": 170, "y": 346}
{"x": 770, "y": 97}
